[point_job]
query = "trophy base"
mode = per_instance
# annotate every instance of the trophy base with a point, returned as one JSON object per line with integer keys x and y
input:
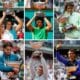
{"x": 40, "y": 14}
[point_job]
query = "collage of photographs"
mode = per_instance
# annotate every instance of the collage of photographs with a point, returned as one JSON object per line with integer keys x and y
{"x": 39, "y": 39}
{"x": 26, "y": 39}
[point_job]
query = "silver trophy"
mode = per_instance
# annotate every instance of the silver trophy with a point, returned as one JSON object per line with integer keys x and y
{"x": 8, "y": 5}
{"x": 69, "y": 26}
{"x": 9, "y": 11}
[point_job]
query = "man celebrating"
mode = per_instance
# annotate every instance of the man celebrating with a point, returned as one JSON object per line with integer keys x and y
{"x": 38, "y": 65}
{"x": 7, "y": 55}
{"x": 72, "y": 65}
{"x": 69, "y": 22}
{"x": 10, "y": 32}
{"x": 39, "y": 31}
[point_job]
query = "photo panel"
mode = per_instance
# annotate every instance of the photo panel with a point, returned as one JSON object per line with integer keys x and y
{"x": 11, "y": 60}
{"x": 38, "y": 60}
{"x": 66, "y": 59}
{"x": 11, "y": 19}
{"x": 33, "y": 31}
{"x": 67, "y": 19}
{"x": 38, "y": 19}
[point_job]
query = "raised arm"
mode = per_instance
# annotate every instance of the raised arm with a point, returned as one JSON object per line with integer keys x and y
{"x": 32, "y": 70}
{"x": 48, "y": 27}
{"x": 29, "y": 26}
{"x": 20, "y": 23}
{"x": 2, "y": 19}
{"x": 59, "y": 56}
{"x": 45, "y": 69}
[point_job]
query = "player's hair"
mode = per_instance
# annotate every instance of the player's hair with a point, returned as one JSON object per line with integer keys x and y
{"x": 73, "y": 50}
{"x": 41, "y": 19}
{"x": 68, "y": 4}
{"x": 9, "y": 21}
{"x": 6, "y": 44}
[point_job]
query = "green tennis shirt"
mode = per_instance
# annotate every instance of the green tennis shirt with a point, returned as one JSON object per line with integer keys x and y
{"x": 39, "y": 33}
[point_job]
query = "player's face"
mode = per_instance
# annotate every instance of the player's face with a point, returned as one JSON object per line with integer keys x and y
{"x": 39, "y": 23}
{"x": 71, "y": 55}
{"x": 70, "y": 9}
{"x": 40, "y": 71}
{"x": 9, "y": 25}
{"x": 7, "y": 50}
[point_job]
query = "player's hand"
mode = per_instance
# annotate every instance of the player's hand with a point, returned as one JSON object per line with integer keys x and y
{"x": 59, "y": 45}
{"x": 62, "y": 20}
{"x": 74, "y": 27}
{"x": 13, "y": 14}
{"x": 68, "y": 74}
{"x": 4, "y": 13}
{"x": 10, "y": 74}
{"x": 64, "y": 30}
{"x": 15, "y": 70}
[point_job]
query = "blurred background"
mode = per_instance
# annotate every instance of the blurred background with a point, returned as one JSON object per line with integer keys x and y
{"x": 10, "y": 6}
{"x": 18, "y": 12}
{"x": 29, "y": 14}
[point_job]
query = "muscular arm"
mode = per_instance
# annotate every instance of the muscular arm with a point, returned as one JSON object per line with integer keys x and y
{"x": 32, "y": 70}
{"x": 2, "y": 19}
{"x": 20, "y": 24}
{"x": 61, "y": 58}
{"x": 45, "y": 69}
{"x": 48, "y": 24}
{"x": 46, "y": 1}
{"x": 29, "y": 26}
